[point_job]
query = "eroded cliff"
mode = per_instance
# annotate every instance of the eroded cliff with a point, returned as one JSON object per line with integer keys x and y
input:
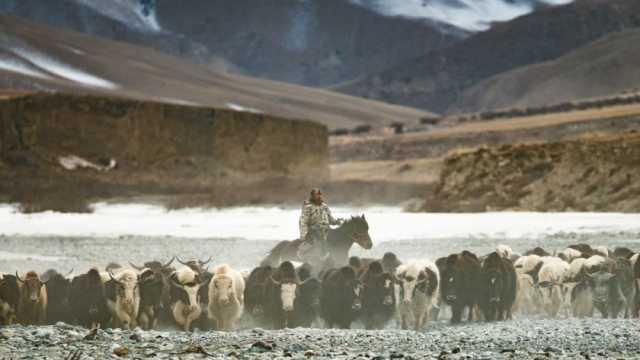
{"x": 595, "y": 173}
{"x": 123, "y": 146}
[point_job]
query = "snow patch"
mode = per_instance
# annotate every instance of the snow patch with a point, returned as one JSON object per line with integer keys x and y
{"x": 74, "y": 50}
{"x": 275, "y": 223}
{"x": 470, "y": 15}
{"x": 179, "y": 101}
{"x": 21, "y": 68}
{"x": 138, "y": 14}
{"x": 73, "y": 162}
{"x": 237, "y": 107}
{"x": 62, "y": 70}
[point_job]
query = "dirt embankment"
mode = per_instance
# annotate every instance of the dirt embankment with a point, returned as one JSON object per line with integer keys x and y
{"x": 145, "y": 148}
{"x": 590, "y": 174}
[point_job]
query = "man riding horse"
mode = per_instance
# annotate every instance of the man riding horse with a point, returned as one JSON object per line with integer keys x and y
{"x": 315, "y": 222}
{"x": 319, "y": 245}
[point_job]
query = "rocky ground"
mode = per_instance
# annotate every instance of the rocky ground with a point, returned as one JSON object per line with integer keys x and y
{"x": 520, "y": 339}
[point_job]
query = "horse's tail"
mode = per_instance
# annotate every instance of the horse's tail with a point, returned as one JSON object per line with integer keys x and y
{"x": 275, "y": 255}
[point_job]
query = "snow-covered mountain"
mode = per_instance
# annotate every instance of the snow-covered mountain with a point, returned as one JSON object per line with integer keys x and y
{"x": 469, "y": 15}
{"x": 311, "y": 42}
{"x": 138, "y": 14}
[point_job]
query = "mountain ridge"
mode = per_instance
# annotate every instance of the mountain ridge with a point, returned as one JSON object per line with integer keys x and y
{"x": 437, "y": 80}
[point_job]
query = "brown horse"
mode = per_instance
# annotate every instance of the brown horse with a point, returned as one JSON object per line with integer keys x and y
{"x": 339, "y": 241}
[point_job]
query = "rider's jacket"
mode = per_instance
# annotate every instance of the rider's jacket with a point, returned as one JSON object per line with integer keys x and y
{"x": 313, "y": 214}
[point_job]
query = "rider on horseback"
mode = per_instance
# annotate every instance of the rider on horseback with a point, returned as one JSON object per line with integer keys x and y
{"x": 314, "y": 226}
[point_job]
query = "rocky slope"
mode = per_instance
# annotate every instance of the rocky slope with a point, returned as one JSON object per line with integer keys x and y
{"x": 590, "y": 174}
{"x": 438, "y": 80}
{"x": 38, "y": 57}
{"x": 606, "y": 66}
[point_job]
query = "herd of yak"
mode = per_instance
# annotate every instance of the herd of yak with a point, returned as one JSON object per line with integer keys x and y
{"x": 577, "y": 281}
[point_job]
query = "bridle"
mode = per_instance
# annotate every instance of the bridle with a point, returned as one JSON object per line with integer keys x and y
{"x": 349, "y": 236}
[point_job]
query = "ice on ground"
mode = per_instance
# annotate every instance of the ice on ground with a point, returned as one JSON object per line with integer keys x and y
{"x": 237, "y": 107}
{"x": 276, "y": 223}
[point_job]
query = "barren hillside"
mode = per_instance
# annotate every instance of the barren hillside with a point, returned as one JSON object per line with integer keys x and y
{"x": 606, "y": 66}
{"x": 38, "y": 57}
{"x": 438, "y": 80}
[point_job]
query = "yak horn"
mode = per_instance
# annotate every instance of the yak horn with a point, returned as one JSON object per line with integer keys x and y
{"x": 203, "y": 263}
{"x": 69, "y": 273}
{"x": 18, "y": 277}
{"x": 176, "y": 283}
{"x": 136, "y": 266}
{"x": 113, "y": 278}
{"x": 275, "y": 281}
{"x": 181, "y": 262}
{"x": 168, "y": 263}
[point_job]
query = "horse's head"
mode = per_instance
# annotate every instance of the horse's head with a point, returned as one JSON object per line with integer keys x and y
{"x": 358, "y": 229}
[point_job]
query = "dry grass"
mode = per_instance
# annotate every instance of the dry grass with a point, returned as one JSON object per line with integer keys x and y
{"x": 413, "y": 171}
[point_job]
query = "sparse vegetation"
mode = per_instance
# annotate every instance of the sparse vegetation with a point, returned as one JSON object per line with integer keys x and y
{"x": 339, "y": 132}
{"x": 430, "y": 121}
{"x": 551, "y": 109}
{"x": 361, "y": 129}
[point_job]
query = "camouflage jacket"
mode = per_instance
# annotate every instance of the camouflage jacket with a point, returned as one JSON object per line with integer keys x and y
{"x": 313, "y": 214}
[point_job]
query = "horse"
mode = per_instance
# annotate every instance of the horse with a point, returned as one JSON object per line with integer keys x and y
{"x": 339, "y": 241}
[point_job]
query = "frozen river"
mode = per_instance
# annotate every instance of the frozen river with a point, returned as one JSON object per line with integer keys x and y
{"x": 241, "y": 236}
{"x": 275, "y": 223}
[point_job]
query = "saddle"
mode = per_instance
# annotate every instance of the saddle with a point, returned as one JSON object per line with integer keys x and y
{"x": 313, "y": 249}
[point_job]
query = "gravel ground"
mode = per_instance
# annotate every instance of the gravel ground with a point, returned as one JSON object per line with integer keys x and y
{"x": 522, "y": 339}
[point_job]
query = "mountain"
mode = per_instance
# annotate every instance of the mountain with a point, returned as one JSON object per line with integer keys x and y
{"x": 470, "y": 15}
{"x": 38, "y": 57}
{"x": 309, "y": 42}
{"x": 438, "y": 80}
{"x": 606, "y": 66}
